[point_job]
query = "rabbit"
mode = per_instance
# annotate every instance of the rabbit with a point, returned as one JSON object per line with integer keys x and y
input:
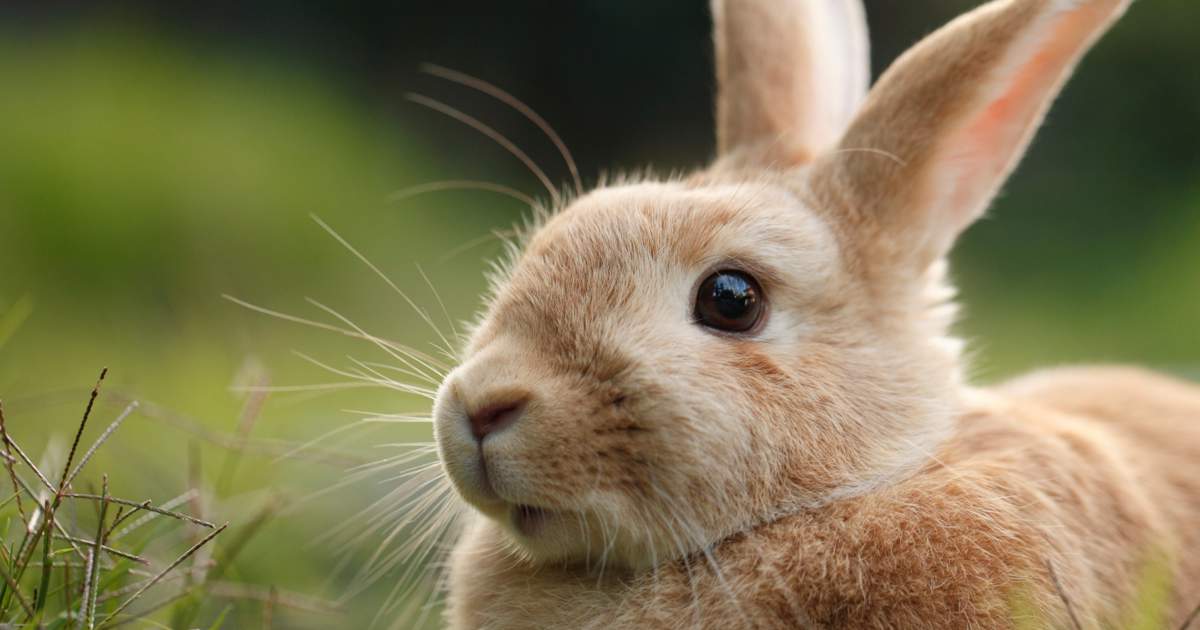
{"x": 732, "y": 399}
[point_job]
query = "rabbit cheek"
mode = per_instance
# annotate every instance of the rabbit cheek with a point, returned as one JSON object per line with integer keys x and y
{"x": 759, "y": 372}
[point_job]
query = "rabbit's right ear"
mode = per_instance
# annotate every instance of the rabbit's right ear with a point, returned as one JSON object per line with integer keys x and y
{"x": 790, "y": 75}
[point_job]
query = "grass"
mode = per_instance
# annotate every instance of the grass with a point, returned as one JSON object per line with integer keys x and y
{"x": 1148, "y": 608}
{"x": 76, "y": 556}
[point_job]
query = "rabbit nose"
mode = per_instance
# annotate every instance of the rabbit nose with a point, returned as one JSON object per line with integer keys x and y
{"x": 496, "y": 415}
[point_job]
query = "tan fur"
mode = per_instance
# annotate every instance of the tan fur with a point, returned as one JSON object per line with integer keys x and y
{"x": 830, "y": 470}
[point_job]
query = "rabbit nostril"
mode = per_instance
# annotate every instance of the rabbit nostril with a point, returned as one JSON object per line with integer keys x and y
{"x": 495, "y": 416}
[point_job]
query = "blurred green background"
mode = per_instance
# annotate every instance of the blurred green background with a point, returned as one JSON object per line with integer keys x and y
{"x": 154, "y": 157}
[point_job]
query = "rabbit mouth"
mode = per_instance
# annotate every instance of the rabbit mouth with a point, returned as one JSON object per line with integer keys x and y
{"x": 529, "y": 520}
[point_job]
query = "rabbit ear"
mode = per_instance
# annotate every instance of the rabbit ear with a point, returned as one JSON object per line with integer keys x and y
{"x": 946, "y": 124}
{"x": 790, "y": 73}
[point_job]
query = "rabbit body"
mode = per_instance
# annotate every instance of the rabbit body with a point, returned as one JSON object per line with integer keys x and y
{"x": 731, "y": 400}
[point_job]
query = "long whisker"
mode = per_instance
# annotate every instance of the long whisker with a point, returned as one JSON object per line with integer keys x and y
{"x": 439, "y": 524}
{"x": 389, "y": 346}
{"x": 696, "y": 540}
{"x": 392, "y": 418}
{"x": 372, "y": 368}
{"x": 402, "y": 370}
{"x": 375, "y": 379}
{"x": 358, "y": 383}
{"x": 460, "y": 184}
{"x": 383, "y": 276}
{"x": 377, "y": 376}
{"x": 441, "y": 304}
{"x": 300, "y": 448}
{"x": 353, "y": 475}
{"x": 687, "y": 565}
{"x": 439, "y": 584}
{"x": 515, "y": 103}
{"x": 671, "y": 522}
{"x": 494, "y": 235}
{"x": 424, "y": 506}
{"x": 391, "y": 350}
{"x": 496, "y": 137}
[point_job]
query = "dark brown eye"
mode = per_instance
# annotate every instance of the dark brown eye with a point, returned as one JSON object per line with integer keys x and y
{"x": 729, "y": 300}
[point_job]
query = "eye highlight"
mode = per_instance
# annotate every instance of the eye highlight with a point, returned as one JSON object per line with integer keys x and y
{"x": 730, "y": 301}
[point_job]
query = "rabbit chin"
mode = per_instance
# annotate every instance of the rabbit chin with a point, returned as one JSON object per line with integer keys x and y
{"x": 584, "y": 539}
{"x": 598, "y": 535}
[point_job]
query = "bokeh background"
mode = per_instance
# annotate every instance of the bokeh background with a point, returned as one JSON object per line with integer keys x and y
{"x": 155, "y": 156}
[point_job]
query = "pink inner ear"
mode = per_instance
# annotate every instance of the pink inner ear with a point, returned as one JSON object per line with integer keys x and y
{"x": 990, "y": 144}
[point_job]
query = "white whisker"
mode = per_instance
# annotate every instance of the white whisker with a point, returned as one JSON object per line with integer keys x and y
{"x": 393, "y": 419}
{"x": 310, "y": 444}
{"x": 397, "y": 353}
{"x": 379, "y": 272}
{"x": 441, "y": 304}
{"x": 460, "y": 184}
{"x": 303, "y": 388}
{"x": 494, "y": 135}
{"x": 357, "y": 334}
{"x": 515, "y": 103}
{"x": 373, "y": 379}
{"x": 402, "y": 370}
{"x": 500, "y": 235}
{"x": 376, "y": 416}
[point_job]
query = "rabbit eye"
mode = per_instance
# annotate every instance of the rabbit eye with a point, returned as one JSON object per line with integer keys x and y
{"x": 730, "y": 301}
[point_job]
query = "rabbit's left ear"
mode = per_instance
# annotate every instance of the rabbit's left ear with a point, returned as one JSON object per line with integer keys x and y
{"x": 790, "y": 74}
{"x": 946, "y": 124}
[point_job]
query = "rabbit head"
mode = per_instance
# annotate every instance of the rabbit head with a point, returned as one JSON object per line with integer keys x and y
{"x": 668, "y": 363}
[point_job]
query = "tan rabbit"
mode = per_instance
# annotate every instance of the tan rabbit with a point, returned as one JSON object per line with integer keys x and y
{"x": 731, "y": 400}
